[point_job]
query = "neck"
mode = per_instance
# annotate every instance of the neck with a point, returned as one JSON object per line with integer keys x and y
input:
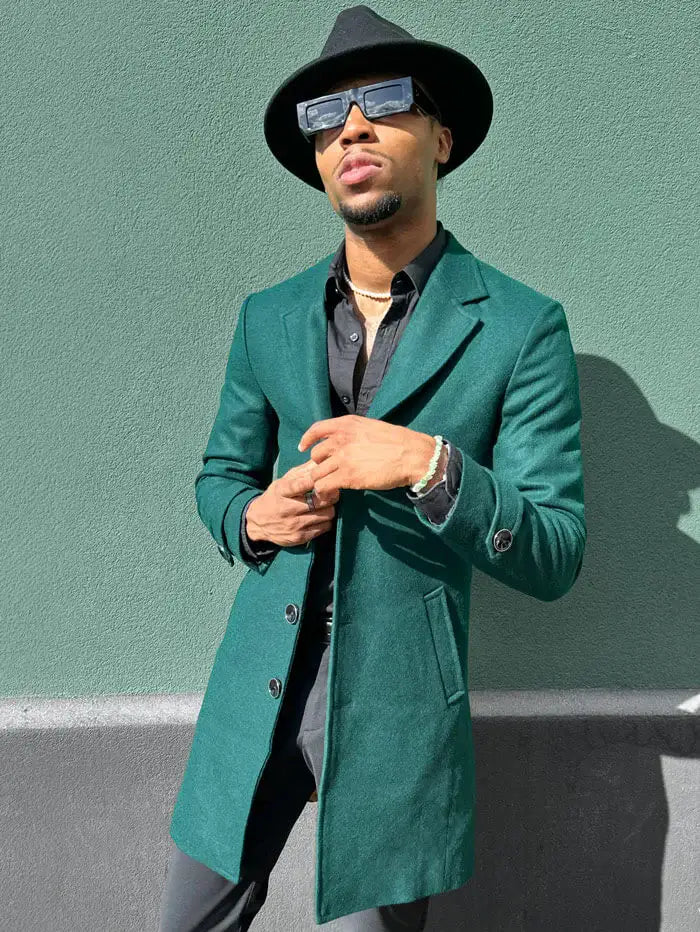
{"x": 374, "y": 256}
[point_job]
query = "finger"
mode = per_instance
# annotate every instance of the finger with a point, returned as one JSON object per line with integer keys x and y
{"x": 300, "y": 468}
{"x": 327, "y": 512}
{"x": 319, "y": 430}
{"x": 297, "y": 480}
{"x": 325, "y": 467}
{"x": 322, "y": 450}
{"x": 329, "y": 480}
{"x": 315, "y": 532}
{"x": 329, "y": 493}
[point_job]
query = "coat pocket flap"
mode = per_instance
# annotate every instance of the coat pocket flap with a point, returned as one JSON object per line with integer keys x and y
{"x": 444, "y": 642}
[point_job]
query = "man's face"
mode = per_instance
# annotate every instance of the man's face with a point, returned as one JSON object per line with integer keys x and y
{"x": 407, "y": 146}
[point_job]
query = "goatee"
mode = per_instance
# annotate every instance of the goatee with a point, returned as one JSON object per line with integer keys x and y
{"x": 384, "y": 207}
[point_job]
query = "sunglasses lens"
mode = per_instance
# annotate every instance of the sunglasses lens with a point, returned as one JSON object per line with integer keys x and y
{"x": 325, "y": 114}
{"x": 381, "y": 101}
{"x": 377, "y": 102}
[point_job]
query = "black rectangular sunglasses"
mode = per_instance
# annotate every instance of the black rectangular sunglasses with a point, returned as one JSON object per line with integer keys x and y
{"x": 395, "y": 95}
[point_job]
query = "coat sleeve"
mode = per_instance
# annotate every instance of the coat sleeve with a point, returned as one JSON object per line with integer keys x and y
{"x": 522, "y": 521}
{"x": 240, "y": 454}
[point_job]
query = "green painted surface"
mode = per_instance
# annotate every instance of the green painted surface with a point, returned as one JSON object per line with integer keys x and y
{"x": 140, "y": 205}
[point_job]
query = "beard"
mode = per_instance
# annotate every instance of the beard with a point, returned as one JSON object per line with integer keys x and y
{"x": 381, "y": 209}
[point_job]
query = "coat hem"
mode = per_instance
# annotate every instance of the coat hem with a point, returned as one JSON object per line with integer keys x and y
{"x": 331, "y": 913}
{"x": 207, "y": 861}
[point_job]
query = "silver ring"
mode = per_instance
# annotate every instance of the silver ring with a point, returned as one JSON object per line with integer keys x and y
{"x": 310, "y": 500}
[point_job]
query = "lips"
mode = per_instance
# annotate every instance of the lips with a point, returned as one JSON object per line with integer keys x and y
{"x": 359, "y": 171}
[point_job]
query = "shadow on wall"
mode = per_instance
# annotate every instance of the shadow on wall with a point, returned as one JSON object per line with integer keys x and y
{"x": 582, "y": 824}
{"x": 631, "y": 618}
{"x": 643, "y": 572}
{"x": 590, "y": 823}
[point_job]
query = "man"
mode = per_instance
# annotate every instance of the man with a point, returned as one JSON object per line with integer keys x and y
{"x": 424, "y": 407}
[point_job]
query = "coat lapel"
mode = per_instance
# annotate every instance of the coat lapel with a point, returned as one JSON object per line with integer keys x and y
{"x": 306, "y": 333}
{"x": 443, "y": 318}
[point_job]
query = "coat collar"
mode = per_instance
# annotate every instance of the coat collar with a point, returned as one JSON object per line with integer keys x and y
{"x": 443, "y": 318}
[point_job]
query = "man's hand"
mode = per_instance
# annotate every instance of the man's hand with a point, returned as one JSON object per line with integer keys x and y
{"x": 366, "y": 453}
{"x": 281, "y": 515}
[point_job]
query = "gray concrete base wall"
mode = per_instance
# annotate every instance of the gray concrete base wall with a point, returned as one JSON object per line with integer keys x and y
{"x": 588, "y": 815}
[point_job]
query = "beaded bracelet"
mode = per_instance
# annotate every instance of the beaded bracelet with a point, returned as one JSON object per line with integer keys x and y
{"x": 431, "y": 467}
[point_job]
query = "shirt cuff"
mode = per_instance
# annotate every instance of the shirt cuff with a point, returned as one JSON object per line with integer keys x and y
{"x": 437, "y": 501}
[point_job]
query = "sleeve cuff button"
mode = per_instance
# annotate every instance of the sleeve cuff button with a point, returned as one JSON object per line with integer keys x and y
{"x": 502, "y": 540}
{"x": 225, "y": 554}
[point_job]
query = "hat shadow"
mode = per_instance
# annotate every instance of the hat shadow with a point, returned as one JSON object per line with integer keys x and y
{"x": 574, "y": 819}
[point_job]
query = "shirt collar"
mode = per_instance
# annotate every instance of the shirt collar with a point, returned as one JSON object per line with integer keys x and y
{"x": 417, "y": 271}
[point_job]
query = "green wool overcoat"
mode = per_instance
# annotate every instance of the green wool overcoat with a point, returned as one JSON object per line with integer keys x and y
{"x": 487, "y": 362}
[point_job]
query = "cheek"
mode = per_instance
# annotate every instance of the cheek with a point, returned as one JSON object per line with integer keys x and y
{"x": 325, "y": 164}
{"x": 409, "y": 158}
{"x": 414, "y": 166}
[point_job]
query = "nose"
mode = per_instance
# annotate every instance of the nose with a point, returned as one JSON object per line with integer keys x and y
{"x": 357, "y": 126}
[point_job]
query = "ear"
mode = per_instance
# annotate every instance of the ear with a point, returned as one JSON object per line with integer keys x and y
{"x": 445, "y": 148}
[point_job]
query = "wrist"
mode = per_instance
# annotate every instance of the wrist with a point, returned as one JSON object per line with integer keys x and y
{"x": 252, "y": 529}
{"x": 440, "y": 469}
{"x": 419, "y": 461}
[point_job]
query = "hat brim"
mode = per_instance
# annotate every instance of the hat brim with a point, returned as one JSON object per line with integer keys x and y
{"x": 457, "y": 84}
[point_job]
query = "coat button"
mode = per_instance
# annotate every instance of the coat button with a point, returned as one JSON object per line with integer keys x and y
{"x": 354, "y": 337}
{"x": 502, "y": 539}
{"x": 291, "y": 613}
{"x": 275, "y": 687}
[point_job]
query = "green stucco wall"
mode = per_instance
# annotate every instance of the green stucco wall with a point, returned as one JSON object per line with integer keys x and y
{"x": 140, "y": 205}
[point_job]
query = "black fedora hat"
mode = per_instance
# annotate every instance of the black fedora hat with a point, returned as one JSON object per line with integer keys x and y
{"x": 362, "y": 41}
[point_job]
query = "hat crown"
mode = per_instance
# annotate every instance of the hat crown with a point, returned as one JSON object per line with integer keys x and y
{"x": 358, "y": 27}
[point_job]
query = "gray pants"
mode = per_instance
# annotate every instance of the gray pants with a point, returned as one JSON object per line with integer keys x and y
{"x": 196, "y": 899}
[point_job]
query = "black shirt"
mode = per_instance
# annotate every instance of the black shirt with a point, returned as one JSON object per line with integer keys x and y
{"x": 354, "y": 387}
